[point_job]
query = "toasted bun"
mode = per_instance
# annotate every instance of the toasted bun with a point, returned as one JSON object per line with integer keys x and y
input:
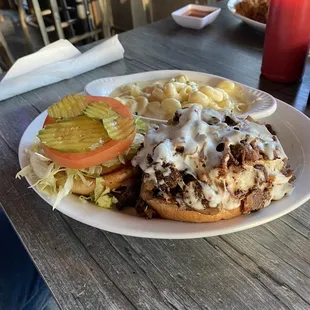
{"x": 112, "y": 180}
{"x": 171, "y": 211}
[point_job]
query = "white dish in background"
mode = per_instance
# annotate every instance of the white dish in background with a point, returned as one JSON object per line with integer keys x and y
{"x": 253, "y": 23}
{"x": 263, "y": 107}
{"x": 195, "y": 22}
{"x": 292, "y": 127}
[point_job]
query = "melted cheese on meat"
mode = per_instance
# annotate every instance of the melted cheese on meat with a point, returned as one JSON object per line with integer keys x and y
{"x": 192, "y": 145}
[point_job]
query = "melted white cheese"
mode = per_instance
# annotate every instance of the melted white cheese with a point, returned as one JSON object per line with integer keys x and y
{"x": 191, "y": 146}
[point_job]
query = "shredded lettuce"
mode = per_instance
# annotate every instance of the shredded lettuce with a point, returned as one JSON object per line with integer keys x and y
{"x": 105, "y": 201}
{"x": 26, "y": 171}
{"x": 85, "y": 199}
{"x": 39, "y": 164}
{"x": 93, "y": 171}
{"x": 102, "y": 196}
{"x": 141, "y": 126}
{"x": 111, "y": 162}
{"x": 135, "y": 146}
{"x": 127, "y": 156}
{"x": 47, "y": 175}
{"x": 79, "y": 174}
{"x": 65, "y": 190}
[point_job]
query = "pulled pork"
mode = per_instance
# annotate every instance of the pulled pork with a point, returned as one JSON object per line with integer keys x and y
{"x": 255, "y": 200}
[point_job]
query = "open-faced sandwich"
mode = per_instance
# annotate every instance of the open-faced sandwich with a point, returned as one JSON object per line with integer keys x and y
{"x": 85, "y": 147}
{"x": 202, "y": 166}
{"x": 205, "y": 166}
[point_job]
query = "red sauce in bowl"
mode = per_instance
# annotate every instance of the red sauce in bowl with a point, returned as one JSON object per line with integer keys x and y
{"x": 196, "y": 13}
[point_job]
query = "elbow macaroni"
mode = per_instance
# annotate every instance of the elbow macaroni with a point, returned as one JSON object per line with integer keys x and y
{"x": 161, "y": 99}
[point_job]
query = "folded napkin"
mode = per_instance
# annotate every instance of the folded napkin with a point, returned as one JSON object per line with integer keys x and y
{"x": 56, "y": 62}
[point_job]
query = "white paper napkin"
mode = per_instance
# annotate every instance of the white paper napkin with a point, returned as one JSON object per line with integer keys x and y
{"x": 56, "y": 62}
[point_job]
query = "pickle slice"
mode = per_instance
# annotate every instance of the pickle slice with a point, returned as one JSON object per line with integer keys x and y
{"x": 68, "y": 106}
{"x": 120, "y": 128}
{"x": 101, "y": 110}
{"x": 117, "y": 127}
{"x": 80, "y": 134}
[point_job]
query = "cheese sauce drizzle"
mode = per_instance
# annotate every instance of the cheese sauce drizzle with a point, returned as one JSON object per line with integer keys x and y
{"x": 192, "y": 144}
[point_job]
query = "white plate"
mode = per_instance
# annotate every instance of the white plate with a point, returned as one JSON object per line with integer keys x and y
{"x": 293, "y": 130}
{"x": 261, "y": 108}
{"x": 231, "y": 6}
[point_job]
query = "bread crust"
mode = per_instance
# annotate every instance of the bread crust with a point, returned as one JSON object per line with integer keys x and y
{"x": 112, "y": 180}
{"x": 171, "y": 211}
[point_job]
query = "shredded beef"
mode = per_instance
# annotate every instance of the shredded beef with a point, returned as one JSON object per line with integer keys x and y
{"x": 239, "y": 194}
{"x": 149, "y": 159}
{"x": 263, "y": 169}
{"x": 127, "y": 196}
{"x": 238, "y": 152}
{"x": 175, "y": 119}
{"x": 229, "y": 121}
{"x": 196, "y": 187}
{"x": 255, "y": 200}
{"x": 187, "y": 178}
{"x": 180, "y": 149}
{"x": 270, "y": 129}
{"x": 242, "y": 153}
{"x": 167, "y": 182}
{"x": 292, "y": 179}
{"x": 144, "y": 210}
{"x": 287, "y": 171}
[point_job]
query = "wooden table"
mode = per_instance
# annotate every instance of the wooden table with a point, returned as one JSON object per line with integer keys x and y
{"x": 267, "y": 267}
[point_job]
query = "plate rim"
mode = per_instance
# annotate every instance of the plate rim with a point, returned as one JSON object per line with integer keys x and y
{"x": 174, "y": 235}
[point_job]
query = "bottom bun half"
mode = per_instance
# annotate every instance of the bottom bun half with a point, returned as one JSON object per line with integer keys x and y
{"x": 171, "y": 211}
{"x": 111, "y": 180}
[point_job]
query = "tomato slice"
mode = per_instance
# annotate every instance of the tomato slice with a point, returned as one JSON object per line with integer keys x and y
{"x": 108, "y": 151}
{"x": 49, "y": 120}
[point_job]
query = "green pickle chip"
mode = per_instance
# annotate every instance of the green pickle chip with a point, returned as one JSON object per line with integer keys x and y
{"x": 120, "y": 128}
{"x": 79, "y": 134}
{"x": 117, "y": 127}
{"x": 69, "y": 106}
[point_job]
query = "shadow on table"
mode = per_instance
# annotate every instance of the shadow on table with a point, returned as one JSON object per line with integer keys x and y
{"x": 296, "y": 94}
{"x": 245, "y": 36}
{"x": 285, "y": 92}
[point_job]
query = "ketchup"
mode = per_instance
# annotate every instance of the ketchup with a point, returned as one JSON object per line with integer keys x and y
{"x": 287, "y": 40}
{"x": 196, "y": 13}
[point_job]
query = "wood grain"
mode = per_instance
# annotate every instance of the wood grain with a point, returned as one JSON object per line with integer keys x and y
{"x": 267, "y": 267}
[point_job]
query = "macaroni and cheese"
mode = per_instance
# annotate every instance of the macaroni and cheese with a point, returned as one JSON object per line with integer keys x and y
{"x": 162, "y": 98}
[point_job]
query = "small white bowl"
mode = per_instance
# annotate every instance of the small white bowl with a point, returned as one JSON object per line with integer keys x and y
{"x": 195, "y": 22}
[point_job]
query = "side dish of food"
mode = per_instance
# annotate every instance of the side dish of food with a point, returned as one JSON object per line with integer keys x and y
{"x": 254, "y": 9}
{"x": 162, "y": 98}
{"x": 202, "y": 166}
